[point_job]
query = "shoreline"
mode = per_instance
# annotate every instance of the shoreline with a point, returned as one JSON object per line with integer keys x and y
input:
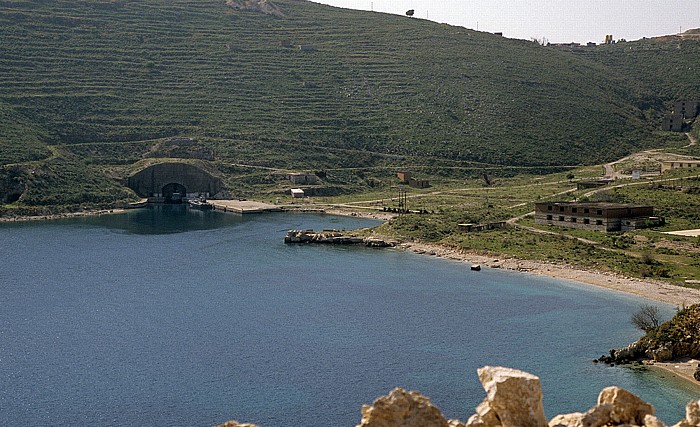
{"x": 649, "y": 289}
{"x": 682, "y": 369}
{"x": 66, "y": 215}
{"x": 654, "y": 290}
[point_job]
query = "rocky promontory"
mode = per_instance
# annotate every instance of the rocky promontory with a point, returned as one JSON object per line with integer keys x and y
{"x": 514, "y": 399}
{"x": 676, "y": 339}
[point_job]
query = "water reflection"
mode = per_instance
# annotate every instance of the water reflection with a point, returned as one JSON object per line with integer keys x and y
{"x": 165, "y": 219}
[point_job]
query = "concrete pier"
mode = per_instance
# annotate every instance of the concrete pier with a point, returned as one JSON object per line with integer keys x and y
{"x": 243, "y": 206}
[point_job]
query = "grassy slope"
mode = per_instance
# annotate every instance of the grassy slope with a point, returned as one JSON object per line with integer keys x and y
{"x": 135, "y": 70}
{"x": 660, "y": 70}
{"x": 103, "y": 80}
{"x": 21, "y": 140}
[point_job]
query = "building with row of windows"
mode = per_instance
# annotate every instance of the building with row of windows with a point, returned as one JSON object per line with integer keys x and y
{"x": 679, "y": 164}
{"x": 682, "y": 111}
{"x": 596, "y": 216}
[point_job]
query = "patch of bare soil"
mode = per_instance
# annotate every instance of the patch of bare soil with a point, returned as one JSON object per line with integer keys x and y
{"x": 262, "y": 6}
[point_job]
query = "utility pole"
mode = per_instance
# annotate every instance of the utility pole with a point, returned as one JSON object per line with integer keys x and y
{"x": 403, "y": 201}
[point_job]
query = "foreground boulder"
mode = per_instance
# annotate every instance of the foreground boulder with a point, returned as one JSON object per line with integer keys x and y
{"x": 235, "y": 424}
{"x": 513, "y": 399}
{"x": 692, "y": 415}
{"x": 616, "y": 407}
{"x": 404, "y": 408}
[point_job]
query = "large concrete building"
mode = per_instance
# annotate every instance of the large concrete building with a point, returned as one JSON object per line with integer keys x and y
{"x": 596, "y": 216}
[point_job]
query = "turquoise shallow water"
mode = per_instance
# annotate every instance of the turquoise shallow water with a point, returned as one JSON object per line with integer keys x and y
{"x": 175, "y": 317}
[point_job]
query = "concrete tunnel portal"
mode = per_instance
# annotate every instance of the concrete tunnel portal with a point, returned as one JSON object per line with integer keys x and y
{"x": 173, "y": 182}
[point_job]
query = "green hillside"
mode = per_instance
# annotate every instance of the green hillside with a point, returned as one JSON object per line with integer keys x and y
{"x": 660, "y": 70}
{"x": 106, "y": 80}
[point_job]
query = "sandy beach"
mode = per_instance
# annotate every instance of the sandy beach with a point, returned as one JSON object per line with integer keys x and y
{"x": 654, "y": 290}
{"x": 649, "y": 289}
{"x": 683, "y": 369}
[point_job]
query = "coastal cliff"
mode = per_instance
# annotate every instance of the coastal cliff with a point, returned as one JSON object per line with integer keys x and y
{"x": 514, "y": 399}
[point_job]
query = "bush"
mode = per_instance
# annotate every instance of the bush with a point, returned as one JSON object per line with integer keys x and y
{"x": 646, "y": 318}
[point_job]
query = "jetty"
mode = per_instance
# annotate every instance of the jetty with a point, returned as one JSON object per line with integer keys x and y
{"x": 243, "y": 206}
{"x": 335, "y": 237}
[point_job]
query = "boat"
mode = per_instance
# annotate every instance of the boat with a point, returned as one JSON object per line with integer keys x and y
{"x": 199, "y": 203}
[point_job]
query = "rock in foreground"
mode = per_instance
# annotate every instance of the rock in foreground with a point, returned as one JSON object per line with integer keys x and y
{"x": 513, "y": 399}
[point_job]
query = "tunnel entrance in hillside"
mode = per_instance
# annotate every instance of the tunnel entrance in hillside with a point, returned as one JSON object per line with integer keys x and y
{"x": 174, "y": 193}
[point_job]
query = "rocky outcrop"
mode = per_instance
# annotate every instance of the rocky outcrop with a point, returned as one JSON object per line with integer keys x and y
{"x": 633, "y": 352}
{"x": 334, "y": 237}
{"x": 235, "y": 424}
{"x": 616, "y": 406}
{"x": 513, "y": 399}
{"x": 406, "y": 409}
{"x": 692, "y": 415}
{"x": 675, "y": 339}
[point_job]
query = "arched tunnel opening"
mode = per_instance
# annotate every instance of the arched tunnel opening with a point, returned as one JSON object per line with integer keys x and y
{"x": 174, "y": 193}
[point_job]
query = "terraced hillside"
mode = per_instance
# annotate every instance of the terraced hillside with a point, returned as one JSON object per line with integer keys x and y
{"x": 304, "y": 86}
{"x": 661, "y": 69}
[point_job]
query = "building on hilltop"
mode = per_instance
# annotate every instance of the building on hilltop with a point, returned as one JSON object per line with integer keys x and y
{"x": 679, "y": 164}
{"x": 596, "y": 216}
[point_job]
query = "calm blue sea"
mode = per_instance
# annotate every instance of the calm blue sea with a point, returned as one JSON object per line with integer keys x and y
{"x": 170, "y": 317}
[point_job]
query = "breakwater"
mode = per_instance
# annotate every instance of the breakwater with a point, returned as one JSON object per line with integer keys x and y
{"x": 335, "y": 237}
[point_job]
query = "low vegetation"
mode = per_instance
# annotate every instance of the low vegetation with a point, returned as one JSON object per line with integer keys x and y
{"x": 91, "y": 91}
{"x": 303, "y": 86}
{"x": 680, "y": 335}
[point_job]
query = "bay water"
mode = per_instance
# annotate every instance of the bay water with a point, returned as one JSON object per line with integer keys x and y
{"x": 170, "y": 316}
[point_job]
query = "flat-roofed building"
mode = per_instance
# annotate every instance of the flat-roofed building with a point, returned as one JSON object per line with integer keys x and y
{"x": 302, "y": 178}
{"x": 596, "y": 216}
{"x": 679, "y": 164}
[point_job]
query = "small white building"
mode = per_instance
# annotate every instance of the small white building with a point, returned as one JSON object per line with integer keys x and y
{"x": 297, "y": 193}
